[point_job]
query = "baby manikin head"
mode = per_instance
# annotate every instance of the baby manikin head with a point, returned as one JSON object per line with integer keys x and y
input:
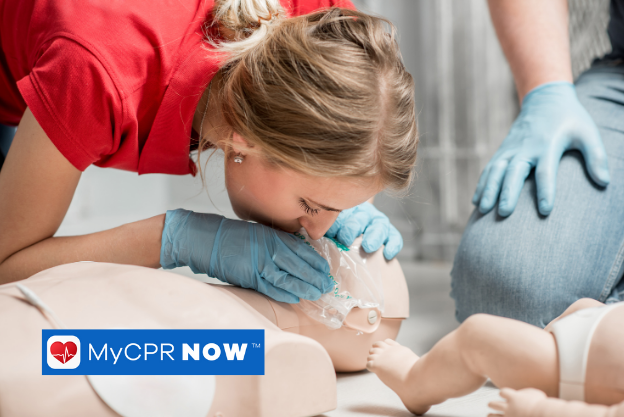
{"x": 358, "y": 283}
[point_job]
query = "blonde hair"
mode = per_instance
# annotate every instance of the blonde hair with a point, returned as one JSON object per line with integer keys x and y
{"x": 325, "y": 94}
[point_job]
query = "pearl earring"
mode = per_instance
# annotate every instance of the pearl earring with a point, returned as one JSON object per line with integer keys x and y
{"x": 239, "y": 159}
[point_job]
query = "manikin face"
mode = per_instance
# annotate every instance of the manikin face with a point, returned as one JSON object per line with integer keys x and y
{"x": 287, "y": 200}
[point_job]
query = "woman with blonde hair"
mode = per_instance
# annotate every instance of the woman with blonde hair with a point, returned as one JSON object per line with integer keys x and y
{"x": 308, "y": 99}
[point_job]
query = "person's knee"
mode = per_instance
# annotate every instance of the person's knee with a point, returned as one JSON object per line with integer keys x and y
{"x": 495, "y": 275}
{"x": 599, "y": 90}
{"x": 482, "y": 279}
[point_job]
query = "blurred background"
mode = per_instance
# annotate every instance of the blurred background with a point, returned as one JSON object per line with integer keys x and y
{"x": 466, "y": 104}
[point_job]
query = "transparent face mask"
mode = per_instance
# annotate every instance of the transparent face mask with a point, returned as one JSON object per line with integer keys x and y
{"x": 357, "y": 282}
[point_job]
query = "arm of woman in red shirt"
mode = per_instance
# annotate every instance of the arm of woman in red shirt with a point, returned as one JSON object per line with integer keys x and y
{"x": 37, "y": 184}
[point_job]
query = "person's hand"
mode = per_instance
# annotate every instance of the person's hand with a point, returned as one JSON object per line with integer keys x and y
{"x": 551, "y": 121}
{"x": 375, "y": 225}
{"x": 520, "y": 403}
{"x": 246, "y": 254}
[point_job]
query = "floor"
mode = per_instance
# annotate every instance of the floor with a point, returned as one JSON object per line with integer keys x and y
{"x": 364, "y": 395}
{"x": 96, "y": 206}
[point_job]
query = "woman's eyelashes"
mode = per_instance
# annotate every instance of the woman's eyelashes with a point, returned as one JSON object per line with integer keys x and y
{"x": 305, "y": 207}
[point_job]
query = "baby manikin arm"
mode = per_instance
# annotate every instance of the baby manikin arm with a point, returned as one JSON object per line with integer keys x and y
{"x": 531, "y": 402}
{"x": 554, "y": 407}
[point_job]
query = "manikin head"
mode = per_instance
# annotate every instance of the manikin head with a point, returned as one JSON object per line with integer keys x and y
{"x": 320, "y": 108}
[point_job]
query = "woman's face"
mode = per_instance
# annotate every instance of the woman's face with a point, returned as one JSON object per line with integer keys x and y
{"x": 288, "y": 200}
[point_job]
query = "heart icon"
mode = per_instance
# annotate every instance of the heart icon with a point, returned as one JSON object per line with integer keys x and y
{"x": 63, "y": 351}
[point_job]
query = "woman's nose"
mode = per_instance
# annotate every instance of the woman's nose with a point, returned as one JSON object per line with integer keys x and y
{"x": 318, "y": 225}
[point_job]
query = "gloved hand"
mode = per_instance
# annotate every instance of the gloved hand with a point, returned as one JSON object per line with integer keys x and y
{"x": 551, "y": 121}
{"x": 375, "y": 225}
{"x": 246, "y": 254}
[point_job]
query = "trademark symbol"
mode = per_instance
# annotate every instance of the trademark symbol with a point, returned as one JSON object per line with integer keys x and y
{"x": 255, "y": 345}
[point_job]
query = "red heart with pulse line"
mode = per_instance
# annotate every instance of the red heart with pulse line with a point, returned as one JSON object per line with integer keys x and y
{"x": 63, "y": 351}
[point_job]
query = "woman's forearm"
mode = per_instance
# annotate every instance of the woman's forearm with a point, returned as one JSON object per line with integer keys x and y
{"x": 534, "y": 37}
{"x": 135, "y": 243}
{"x": 37, "y": 184}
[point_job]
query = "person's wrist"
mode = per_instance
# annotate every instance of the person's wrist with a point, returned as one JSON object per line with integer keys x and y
{"x": 524, "y": 86}
{"x": 186, "y": 233}
{"x": 554, "y": 88}
{"x": 148, "y": 232}
{"x": 169, "y": 245}
{"x": 549, "y": 92}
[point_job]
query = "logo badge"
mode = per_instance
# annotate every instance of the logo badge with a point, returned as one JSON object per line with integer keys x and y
{"x": 63, "y": 352}
{"x": 152, "y": 352}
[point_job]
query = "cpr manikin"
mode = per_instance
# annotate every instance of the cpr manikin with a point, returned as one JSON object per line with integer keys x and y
{"x": 299, "y": 375}
{"x": 577, "y": 358}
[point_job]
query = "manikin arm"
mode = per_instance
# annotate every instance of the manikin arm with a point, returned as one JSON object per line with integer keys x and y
{"x": 531, "y": 402}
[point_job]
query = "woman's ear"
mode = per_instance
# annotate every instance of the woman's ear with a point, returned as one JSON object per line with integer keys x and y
{"x": 239, "y": 144}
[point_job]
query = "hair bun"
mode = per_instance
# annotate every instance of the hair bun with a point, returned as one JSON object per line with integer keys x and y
{"x": 245, "y": 22}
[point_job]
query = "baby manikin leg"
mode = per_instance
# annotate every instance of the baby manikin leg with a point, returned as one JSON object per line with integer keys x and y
{"x": 511, "y": 353}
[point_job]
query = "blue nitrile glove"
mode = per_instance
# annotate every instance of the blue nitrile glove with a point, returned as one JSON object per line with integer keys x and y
{"x": 246, "y": 254}
{"x": 375, "y": 225}
{"x": 551, "y": 121}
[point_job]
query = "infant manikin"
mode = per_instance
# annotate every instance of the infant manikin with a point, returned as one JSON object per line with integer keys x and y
{"x": 578, "y": 358}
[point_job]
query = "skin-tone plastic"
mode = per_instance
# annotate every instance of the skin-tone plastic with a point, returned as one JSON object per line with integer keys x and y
{"x": 531, "y": 402}
{"x": 97, "y": 295}
{"x": 512, "y": 354}
{"x": 107, "y": 296}
{"x": 348, "y": 346}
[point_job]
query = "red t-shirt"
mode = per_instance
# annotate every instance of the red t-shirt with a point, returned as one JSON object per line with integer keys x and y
{"x": 112, "y": 83}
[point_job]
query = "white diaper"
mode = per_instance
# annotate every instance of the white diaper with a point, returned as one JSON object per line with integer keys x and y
{"x": 574, "y": 334}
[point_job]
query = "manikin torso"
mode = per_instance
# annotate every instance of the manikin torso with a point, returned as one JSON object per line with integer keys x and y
{"x": 300, "y": 375}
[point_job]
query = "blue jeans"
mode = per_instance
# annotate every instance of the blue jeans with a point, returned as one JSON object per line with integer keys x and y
{"x": 6, "y": 137}
{"x": 531, "y": 267}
